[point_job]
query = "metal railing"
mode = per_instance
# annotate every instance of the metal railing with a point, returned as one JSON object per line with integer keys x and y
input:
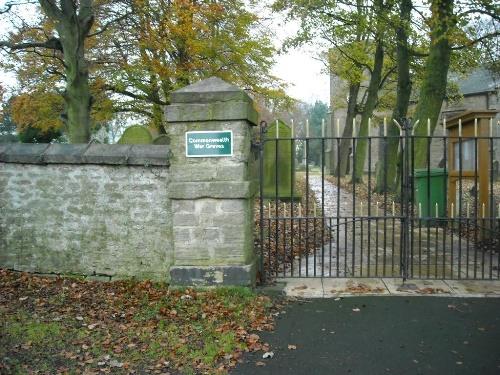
{"x": 333, "y": 226}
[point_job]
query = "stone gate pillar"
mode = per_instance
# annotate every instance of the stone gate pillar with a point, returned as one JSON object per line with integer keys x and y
{"x": 212, "y": 196}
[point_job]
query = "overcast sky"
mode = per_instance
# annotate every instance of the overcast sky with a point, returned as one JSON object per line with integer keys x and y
{"x": 303, "y": 72}
{"x": 297, "y": 67}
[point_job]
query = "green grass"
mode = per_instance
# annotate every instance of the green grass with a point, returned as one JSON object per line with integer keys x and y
{"x": 34, "y": 332}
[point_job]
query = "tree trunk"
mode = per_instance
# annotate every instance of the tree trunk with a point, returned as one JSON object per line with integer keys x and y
{"x": 345, "y": 144}
{"x": 434, "y": 82}
{"x": 73, "y": 23}
{"x": 387, "y": 167}
{"x": 77, "y": 94}
{"x": 371, "y": 102}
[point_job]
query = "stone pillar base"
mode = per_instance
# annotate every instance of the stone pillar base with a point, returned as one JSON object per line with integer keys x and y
{"x": 213, "y": 275}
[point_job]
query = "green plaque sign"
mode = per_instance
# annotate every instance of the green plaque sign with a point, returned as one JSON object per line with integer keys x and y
{"x": 203, "y": 144}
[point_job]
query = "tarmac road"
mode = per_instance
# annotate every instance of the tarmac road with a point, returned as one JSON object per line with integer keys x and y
{"x": 388, "y": 335}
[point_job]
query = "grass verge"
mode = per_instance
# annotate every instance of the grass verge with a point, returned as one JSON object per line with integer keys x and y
{"x": 66, "y": 325}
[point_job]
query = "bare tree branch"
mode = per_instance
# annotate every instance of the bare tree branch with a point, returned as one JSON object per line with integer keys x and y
{"x": 475, "y": 41}
{"x": 108, "y": 24}
{"x": 52, "y": 43}
{"x": 135, "y": 96}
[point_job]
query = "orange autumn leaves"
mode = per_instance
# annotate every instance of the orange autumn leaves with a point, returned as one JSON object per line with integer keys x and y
{"x": 42, "y": 109}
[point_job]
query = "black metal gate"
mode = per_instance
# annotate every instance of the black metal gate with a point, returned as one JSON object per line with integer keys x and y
{"x": 428, "y": 223}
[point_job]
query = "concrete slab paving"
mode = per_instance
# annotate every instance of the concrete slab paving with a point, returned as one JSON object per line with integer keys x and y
{"x": 303, "y": 287}
{"x": 417, "y": 287}
{"x": 478, "y": 288}
{"x": 350, "y": 287}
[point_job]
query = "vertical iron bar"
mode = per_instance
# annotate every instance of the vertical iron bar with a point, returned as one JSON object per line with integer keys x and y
{"x": 345, "y": 246}
{"x": 428, "y": 221}
{"x": 323, "y": 205}
{"x": 292, "y": 212}
{"x": 330, "y": 246}
{"x": 411, "y": 155}
{"x": 338, "y": 205}
{"x": 467, "y": 225}
{"x": 402, "y": 234}
{"x": 483, "y": 223}
{"x": 437, "y": 248}
{"x": 393, "y": 239}
{"x": 307, "y": 207}
{"x": 459, "y": 216}
{"x": 276, "y": 203}
{"x": 284, "y": 245}
{"x": 475, "y": 206}
{"x": 314, "y": 243}
{"x": 402, "y": 187}
{"x": 451, "y": 243}
{"x": 369, "y": 210}
{"x": 405, "y": 206}
{"x": 269, "y": 247}
{"x": 491, "y": 223}
{"x": 445, "y": 208}
{"x": 420, "y": 246}
{"x": 376, "y": 241}
{"x": 300, "y": 246}
{"x": 261, "y": 200}
{"x": 353, "y": 247}
{"x": 361, "y": 252}
{"x": 385, "y": 208}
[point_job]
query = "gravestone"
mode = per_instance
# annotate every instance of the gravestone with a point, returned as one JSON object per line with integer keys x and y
{"x": 280, "y": 166}
{"x": 162, "y": 139}
{"x": 136, "y": 135}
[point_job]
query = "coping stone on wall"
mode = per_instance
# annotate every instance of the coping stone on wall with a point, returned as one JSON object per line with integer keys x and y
{"x": 25, "y": 153}
{"x": 103, "y": 154}
{"x": 59, "y": 153}
{"x": 148, "y": 155}
{"x": 29, "y": 153}
{"x": 4, "y": 147}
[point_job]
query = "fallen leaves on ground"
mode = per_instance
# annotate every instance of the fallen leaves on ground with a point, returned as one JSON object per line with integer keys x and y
{"x": 360, "y": 288}
{"x": 306, "y": 235}
{"x": 67, "y": 325}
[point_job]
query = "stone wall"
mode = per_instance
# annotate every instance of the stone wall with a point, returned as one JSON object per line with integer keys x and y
{"x": 147, "y": 211}
{"x": 98, "y": 210}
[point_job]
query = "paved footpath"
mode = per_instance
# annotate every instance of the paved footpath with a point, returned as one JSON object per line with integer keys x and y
{"x": 388, "y": 335}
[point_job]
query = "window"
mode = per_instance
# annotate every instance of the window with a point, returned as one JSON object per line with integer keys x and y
{"x": 468, "y": 157}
